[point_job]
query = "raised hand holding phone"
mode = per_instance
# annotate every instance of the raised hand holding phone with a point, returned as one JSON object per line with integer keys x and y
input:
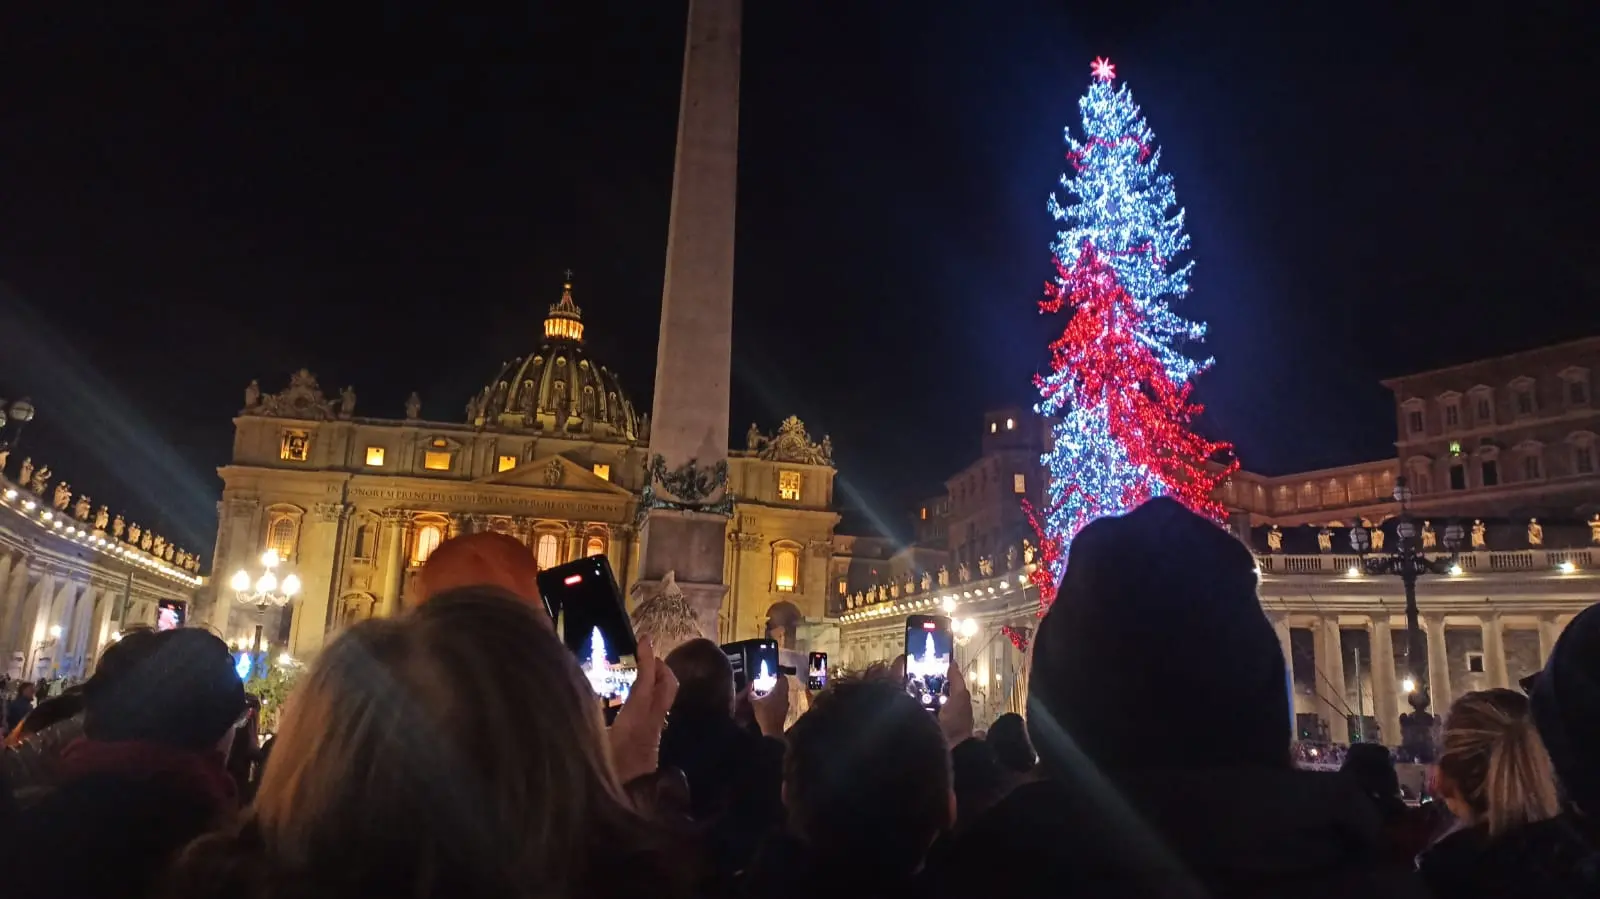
{"x": 772, "y": 709}
{"x": 635, "y": 735}
{"x": 955, "y": 719}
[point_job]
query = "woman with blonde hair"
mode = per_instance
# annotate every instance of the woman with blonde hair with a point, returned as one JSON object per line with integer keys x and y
{"x": 456, "y": 752}
{"x": 1495, "y": 776}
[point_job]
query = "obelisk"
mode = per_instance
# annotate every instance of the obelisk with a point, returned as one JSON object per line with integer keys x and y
{"x": 685, "y": 527}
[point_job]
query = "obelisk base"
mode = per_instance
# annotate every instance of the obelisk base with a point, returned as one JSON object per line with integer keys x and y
{"x": 693, "y": 545}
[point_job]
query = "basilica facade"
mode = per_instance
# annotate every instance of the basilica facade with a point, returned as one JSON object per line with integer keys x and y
{"x": 551, "y": 451}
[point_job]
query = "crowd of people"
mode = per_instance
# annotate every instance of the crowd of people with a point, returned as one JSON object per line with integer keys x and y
{"x": 457, "y": 751}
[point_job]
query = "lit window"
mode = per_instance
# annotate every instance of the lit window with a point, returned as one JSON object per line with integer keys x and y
{"x": 375, "y": 456}
{"x": 1019, "y": 483}
{"x": 504, "y": 463}
{"x": 595, "y": 546}
{"x": 548, "y": 551}
{"x": 436, "y": 460}
{"x": 786, "y": 568}
{"x": 1455, "y": 447}
{"x": 602, "y": 471}
{"x": 281, "y": 535}
{"x": 789, "y": 485}
{"x": 366, "y": 537}
{"x": 428, "y": 539}
{"x": 1011, "y": 424}
{"x": 994, "y": 426}
{"x": 924, "y": 513}
{"x": 296, "y": 446}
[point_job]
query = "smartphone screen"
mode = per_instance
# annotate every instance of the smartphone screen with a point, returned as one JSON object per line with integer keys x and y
{"x": 928, "y": 650}
{"x": 755, "y": 663}
{"x": 817, "y": 672}
{"x": 586, "y": 603}
{"x": 170, "y": 614}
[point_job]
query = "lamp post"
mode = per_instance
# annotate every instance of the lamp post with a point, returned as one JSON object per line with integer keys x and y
{"x": 264, "y": 591}
{"x": 18, "y": 412}
{"x": 1408, "y": 562}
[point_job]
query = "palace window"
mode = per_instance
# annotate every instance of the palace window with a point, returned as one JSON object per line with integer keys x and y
{"x": 594, "y": 546}
{"x": 1485, "y": 411}
{"x": 786, "y": 570}
{"x": 602, "y": 471}
{"x": 282, "y": 534}
{"x": 548, "y": 551}
{"x": 1019, "y": 483}
{"x": 1525, "y": 401}
{"x": 1011, "y": 424}
{"x": 1458, "y": 476}
{"x": 366, "y": 536}
{"x": 789, "y": 485}
{"x": 375, "y": 456}
{"x": 429, "y": 536}
{"x": 505, "y": 463}
{"x": 1530, "y": 468}
{"x": 436, "y": 460}
{"x": 1415, "y": 421}
{"x": 1577, "y": 392}
{"x": 296, "y": 446}
{"x": 1452, "y": 416}
{"x": 994, "y": 427}
{"x": 1475, "y": 663}
{"x": 1583, "y": 459}
{"x": 1491, "y": 473}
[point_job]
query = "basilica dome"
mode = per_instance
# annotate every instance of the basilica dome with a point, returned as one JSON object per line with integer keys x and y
{"x": 558, "y": 389}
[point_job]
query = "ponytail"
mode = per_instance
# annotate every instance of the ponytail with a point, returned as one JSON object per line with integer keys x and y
{"x": 1494, "y": 756}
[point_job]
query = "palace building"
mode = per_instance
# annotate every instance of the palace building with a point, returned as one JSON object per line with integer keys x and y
{"x": 552, "y": 451}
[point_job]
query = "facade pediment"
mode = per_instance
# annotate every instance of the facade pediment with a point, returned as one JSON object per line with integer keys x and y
{"x": 555, "y": 472}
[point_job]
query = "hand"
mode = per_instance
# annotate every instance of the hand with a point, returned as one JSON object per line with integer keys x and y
{"x": 635, "y": 736}
{"x": 772, "y": 709}
{"x": 955, "y": 717}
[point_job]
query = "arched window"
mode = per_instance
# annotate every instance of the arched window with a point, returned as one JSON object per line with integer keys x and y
{"x": 549, "y": 551}
{"x": 595, "y": 546}
{"x": 281, "y": 534}
{"x": 366, "y": 538}
{"x": 785, "y": 570}
{"x": 428, "y": 538}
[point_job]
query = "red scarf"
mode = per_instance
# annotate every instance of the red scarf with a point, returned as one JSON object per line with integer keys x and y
{"x": 201, "y": 773}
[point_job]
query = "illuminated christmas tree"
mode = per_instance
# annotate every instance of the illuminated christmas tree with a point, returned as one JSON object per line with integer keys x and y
{"x": 1119, "y": 381}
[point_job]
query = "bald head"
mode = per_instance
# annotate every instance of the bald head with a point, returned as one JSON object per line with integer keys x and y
{"x": 482, "y": 560}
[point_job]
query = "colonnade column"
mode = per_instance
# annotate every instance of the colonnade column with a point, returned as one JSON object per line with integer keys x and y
{"x": 1438, "y": 665}
{"x": 1549, "y": 632}
{"x": 1385, "y": 693}
{"x": 1494, "y": 650}
{"x": 394, "y": 544}
{"x": 1329, "y": 685}
{"x": 1280, "y": 624}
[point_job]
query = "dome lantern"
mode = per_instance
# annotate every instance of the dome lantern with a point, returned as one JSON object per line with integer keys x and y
{"x": 566, "y": 319}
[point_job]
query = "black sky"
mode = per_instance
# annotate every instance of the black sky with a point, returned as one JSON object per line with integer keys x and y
{"x": 193, "y": 197}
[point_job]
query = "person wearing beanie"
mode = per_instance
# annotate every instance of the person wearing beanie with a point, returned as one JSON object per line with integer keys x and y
{"x": 1566, "y": 711}
{"x": 1159, "y": 704}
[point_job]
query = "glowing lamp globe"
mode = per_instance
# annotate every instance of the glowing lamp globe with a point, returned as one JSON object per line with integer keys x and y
{"x": 241, "y": 581}
{"x": 291, "y": 585}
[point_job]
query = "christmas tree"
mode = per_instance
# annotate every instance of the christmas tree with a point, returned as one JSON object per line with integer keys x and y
{"x": 1120, "y": 379}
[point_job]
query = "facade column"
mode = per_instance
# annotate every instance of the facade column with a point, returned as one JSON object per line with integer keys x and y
{"x": 1329, "y": 684}
{"x": 238, "y": 543}
{"x": 574, "y": 541}
{"x": 1280, "y": 624}
{"x": 394, "y": 544}
{"x": 1438, "y": 665}
{"x": 1494, "y": 650}
{"x": 618, "y": 549}
{"x": 1549, "y": 632}
{"x": 1385, "y": 693}
{"x": 321, "y": 542}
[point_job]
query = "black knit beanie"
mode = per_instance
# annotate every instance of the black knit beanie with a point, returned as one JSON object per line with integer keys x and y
{"x": 1566, "y": 709}
{"x": 1156, "y": 653}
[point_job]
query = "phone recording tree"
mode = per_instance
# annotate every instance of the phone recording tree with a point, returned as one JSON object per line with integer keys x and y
{"x": 1119, "y": 382}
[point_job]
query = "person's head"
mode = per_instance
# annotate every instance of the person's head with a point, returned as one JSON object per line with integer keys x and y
{"x": 484, "y": 559}
{"x": 26, "y": 690}
{"x": 1371, "y": 767}
{"x": 1154, "y": 591}
{"x": 1008, "y": 737}
{"x": 468, "y": 721}
{"x": 866, "y": 778}
{"x": 1566, "y": 708}
{"x": 53, "y": 711}
{"x": 705, "y": 680}
{"x": 177, "y": 689}
{"x": 122, "y": 656}
{"x": 1492, "y": 768}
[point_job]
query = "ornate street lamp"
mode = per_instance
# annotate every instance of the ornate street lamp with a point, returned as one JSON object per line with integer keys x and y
{"x": 1408, "y": 562}
{"x": 18, "y": 412}
{"x": 264, "y": 591}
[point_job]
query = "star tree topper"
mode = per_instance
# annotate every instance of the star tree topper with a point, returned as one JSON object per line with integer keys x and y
{"x": 1103, "y": 69}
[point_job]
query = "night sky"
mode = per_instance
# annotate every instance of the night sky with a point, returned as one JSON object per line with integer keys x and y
{"x": 192, "y": 198}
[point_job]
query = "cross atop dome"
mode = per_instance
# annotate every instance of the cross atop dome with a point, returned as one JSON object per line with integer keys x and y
{"x": 1102, "y": 69}
{"x": 566, "y": 319}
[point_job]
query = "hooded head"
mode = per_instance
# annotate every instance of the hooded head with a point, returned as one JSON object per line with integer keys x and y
{"x": 1566, "y": 710}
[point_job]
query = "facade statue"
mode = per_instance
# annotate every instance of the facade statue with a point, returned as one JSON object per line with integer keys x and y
{"x": 413, "y": 407}
{"x": 963, "y": 573}
{"x": 985, "y": 567}
{"x": 301, "y": 399}
{"x": 499, "y": 400}
{"x": 146, "y": 541}
{"x": 347, "y": 402}
{"x": 793, "y": 444}
{"x": 827, "y": 449}
{"x": 894, "y": 589}
{"x": 1274, "y": 540}
{"x": 753, "y": 438}
{"x": 133, "y": 533}
{"x": 1011, "y": 557}
{"x": 170, "y": 553}
{"x": 558, "y": 403}
{"x": 1028, "y": 552}
{"x": 80, "y": 509}
{"x": 911, "y": 583}
{"x": 927, "y": 579}
{"x": 1377, "y": 539}
{"x": 25, "y": 474}
{"x": 101, "y": 517}
{"x": 252, "y": 394}
{"x": 117, "y": 526}
{"x": 944, "y": 576}
{"x": 1325, "y": 540}
{"x": 63, "y": 496}
{"x": 472, "y": 410}
{"x": 1594, "y": 529}
{"x": 160, "y": 545}
{"x": 1535, "y": 533}
{"x": 1430, "y": 539}
{"x": 1480, "y": 535}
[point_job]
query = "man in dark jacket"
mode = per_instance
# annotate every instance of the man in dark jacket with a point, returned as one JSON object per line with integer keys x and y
{"x": 1159, "y": 705}
{"x": 1566, "y": 709}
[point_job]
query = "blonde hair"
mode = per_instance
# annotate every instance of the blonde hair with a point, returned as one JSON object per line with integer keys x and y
{"x": 456, "y": 751}
{"x": 1493, "y": 754}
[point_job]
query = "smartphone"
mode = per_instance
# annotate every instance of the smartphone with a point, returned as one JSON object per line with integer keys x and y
{"x": 171, "y": 614}
{"x": 928, "y": 651}
{"x": 585, "y": 602}
{"x": 817, "y": 672}
{"x": 755, "y": 663}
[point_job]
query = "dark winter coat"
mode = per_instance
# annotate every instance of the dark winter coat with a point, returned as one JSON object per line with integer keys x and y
{"x": 1203, "y": 834}
{"x": 1546, "y": 860}
{"x": 735, "y": 785}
